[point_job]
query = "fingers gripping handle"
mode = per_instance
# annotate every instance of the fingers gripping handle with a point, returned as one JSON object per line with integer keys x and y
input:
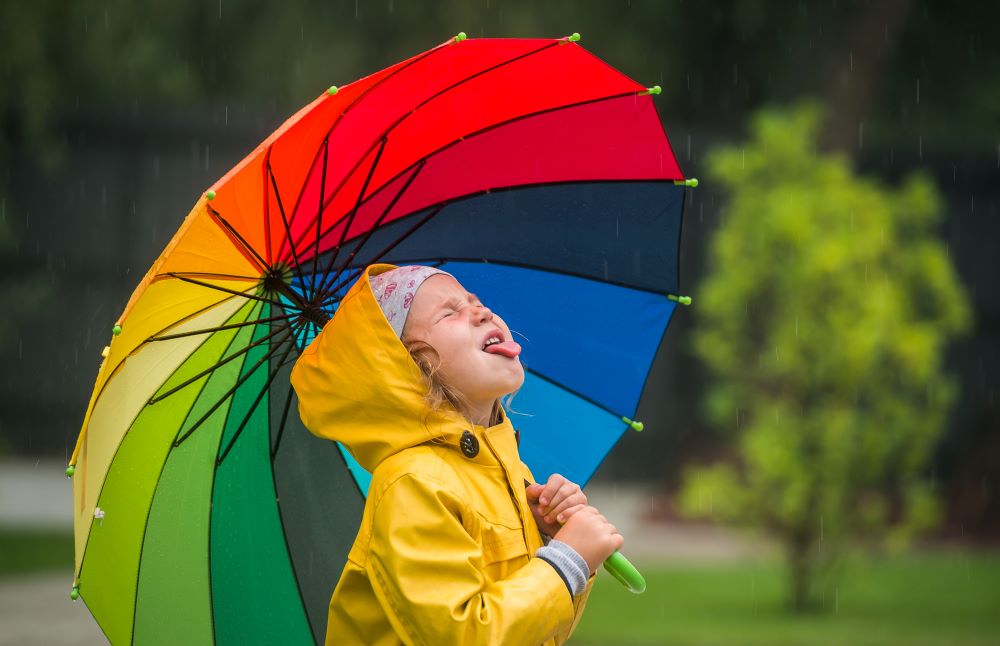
{"x": 626, "y": 573}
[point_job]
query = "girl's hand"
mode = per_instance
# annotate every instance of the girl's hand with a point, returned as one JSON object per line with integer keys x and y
{"x": 554, "y": 503}
{"x": 591, "y": 535}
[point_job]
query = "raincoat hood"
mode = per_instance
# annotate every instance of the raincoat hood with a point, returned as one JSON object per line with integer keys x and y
{"x": 357, "y": 384}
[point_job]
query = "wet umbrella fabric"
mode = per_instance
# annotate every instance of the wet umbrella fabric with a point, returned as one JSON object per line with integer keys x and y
{"x": 530, "y": 169}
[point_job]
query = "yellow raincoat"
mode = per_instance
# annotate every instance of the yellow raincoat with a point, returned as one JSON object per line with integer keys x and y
{"x": 445, "y": 551}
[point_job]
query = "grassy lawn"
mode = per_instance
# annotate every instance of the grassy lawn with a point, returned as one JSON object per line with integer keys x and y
{"x": 916, "y": 599}
{"x": 23, "y": 551}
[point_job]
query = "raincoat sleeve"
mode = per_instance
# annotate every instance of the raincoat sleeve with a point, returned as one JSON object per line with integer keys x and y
{"x": 427, "y": 572}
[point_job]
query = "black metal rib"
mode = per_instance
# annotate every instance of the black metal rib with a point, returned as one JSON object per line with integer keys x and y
{"x": 353, "y": 212}
{"x": 494, "y": 126}
{"x": 284, "y": 418}
{"x": 239, "y": 382}
{"x": 319, "y": 216}
{"x": 253, "y": 406}
{"x": 262, "y": 264}
{"x": 357, "y": 100}
{"x": 228, "y": 326}
{"x": 403, "y": 117}
{"x": 371, "y": 231}
{"x": 255, "y": 297}
{"x": 281, "y": 209}
{"x": 217, "y": 365}
{"x": 378, "y": 256}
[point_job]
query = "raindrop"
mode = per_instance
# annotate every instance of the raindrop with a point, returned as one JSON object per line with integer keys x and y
{"x": 226, "y": 118}
{"x": 852, "y": 61}
{"x": 220, "y": 9}
{"x": 206, "y": 156}
{"x": 918, "y": 91}
{"x": 861, "y": 135}
{"x": 920, "y": 147}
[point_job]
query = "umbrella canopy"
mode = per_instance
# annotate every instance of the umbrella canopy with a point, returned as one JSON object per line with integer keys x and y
{"x": 534, "y": 172}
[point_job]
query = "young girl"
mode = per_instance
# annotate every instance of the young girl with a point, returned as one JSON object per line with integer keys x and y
{"x": 452, "y": 545}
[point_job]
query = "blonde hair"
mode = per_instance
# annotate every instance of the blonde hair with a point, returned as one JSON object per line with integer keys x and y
{"x": 440, "y": 394}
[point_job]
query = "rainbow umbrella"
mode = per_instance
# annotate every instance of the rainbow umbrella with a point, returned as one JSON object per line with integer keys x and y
{"x": 530, "y": 169}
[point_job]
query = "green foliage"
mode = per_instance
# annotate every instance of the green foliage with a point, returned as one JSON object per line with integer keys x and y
{"x": 34, "y": 550}
{"x": 823, "y": 321}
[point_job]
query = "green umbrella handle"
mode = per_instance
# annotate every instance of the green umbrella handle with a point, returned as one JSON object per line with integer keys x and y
{"x": 623, "y": 570}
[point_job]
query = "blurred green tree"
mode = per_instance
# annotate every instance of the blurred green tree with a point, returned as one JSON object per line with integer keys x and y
{"x": 823, "y": 322}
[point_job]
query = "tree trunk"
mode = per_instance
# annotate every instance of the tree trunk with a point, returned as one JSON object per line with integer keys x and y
{"x": 800, "y": 572}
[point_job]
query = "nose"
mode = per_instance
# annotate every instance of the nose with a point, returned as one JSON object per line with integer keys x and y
{"x": 482, "y": 314}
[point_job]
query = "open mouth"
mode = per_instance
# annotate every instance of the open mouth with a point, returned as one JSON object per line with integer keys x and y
{"x": 497, "y": 343}
{"x": 493, "y": 339}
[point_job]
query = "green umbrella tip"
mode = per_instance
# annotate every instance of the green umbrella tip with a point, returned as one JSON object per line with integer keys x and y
{"x": 637, "y": 426}
{"x": 656, "y": 89}
{"x": 116, "y": 330}
{"x": 210, "y": 195}
{"x": 69, "y": 470}
{"x": 572, "y": 38}
{"x": 683, "y": 300}
{"x": 332, "y": 90}
{"x": 74, "y": 594}
{"x": 693, "y": 182}
{"x": 459, "y": 37}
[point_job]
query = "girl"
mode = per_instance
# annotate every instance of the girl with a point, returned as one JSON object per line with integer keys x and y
{"x": 408, "y": 376}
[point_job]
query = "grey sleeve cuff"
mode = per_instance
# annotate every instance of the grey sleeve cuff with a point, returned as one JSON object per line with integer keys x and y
{"x": 568, "y": 563}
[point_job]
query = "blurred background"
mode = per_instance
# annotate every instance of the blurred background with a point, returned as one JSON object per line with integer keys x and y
{"x": 822, "y": 441}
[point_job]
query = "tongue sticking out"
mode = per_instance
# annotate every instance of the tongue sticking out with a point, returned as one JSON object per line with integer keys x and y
{"x": 509, "y": 349}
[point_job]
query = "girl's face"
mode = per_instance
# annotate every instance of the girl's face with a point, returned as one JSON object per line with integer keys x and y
{"x": 463, "y": 332}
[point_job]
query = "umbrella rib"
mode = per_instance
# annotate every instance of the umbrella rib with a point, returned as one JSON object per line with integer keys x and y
{"x": 319, "y": 215}
{"x": 228, "y": 326}
{"x": 284, "y": 419}
{"x": 281, "y": 210}
{"x": 255, "y": 297}
{"x": 253, "y": 406}
{"x": 374, "y": 227}
{"x": 484, "y": 130}
{"x": 232, "y": 390}
{"x": 358, "y": 100}
{"x": 378, "y": 256}
{"x": 212, "y": 274}
{"x": 217, "y": 365}
{"x": 262, "y": 265}
{"x": 403, "y": 117}
{"x": 354, "y": 211}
